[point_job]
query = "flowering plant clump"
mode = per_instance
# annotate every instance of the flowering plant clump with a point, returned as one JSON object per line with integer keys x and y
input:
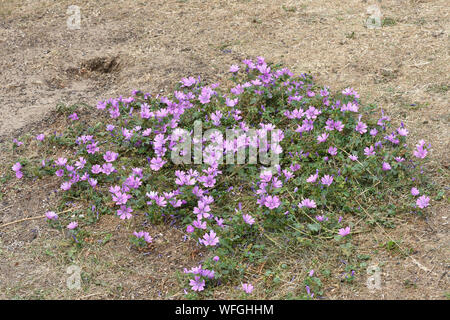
{"x": 335, "y": 161}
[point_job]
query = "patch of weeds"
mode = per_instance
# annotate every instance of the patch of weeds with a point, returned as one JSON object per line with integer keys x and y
{"x": 289, "y": 9}
{"x": 388, "y": 22}
{"x": 409, "y": 284}
{"x": 438, "y": 88}
{"x": 351, "y": 35}
{"x": 339, "y": 162}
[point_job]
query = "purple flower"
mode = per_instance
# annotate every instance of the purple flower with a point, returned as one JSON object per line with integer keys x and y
{"x": 423, "y": 201}
{"x": 210, "y": 239}
{"x": 197, "y": 284}
{"x": 61, "y": 162}
{"x": 234, "y": 68}
{"x": 121, "y": 198}
{"x": 72, "y": 225}
{"x": 157, "y": 163}
{"x": 312, "y": 178}
{"x": 92, "y": 182}
{"x": 145, "y": 235}
{"x": 369, "y": 151}
{"x": 327, "y": 180}
{"x": 40, "y": 137}
{"x": 107, "y": 168}
{"x": 216, "y": 258}
{"x": 332, "y": 150}
{"x": 66, "y": 185}
{"x": 17, "y": 142}
{"x": 50, "y": 215}
{"x": 353, "y": 157}
{"x": 80, "y": 163}
{"x": 110, "y": 156}
{"x": 415, "y": 191}
{"x": 361, "y": 127}
{"x": 373, "y": 132}
{"x": 96, "y": 169}
{"x": 231, "y": 102}
{"x": 248, "y": 219}
{"x": 272, "y": 202}
{"x": 420, "y": 152}
{"x": 73, "y": 116}
{"x": 247, "y": 287}
{"x": 386, "y": 166}
{"x": 344, "y": 231}
{"x": 124, "y": 212}
{"x": 322, "y": 138}
{"x": 307, "y": 203}
{"x": 16, "y": 167}
{"x": 402, "y": 132}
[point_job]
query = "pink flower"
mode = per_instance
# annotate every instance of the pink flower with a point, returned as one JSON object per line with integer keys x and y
{"x": 327, "y": 180}
{"x": 145, "y": 235}
{"x": 231, "y": 102}
{"x": 353, "y": 157}
{"x": 187, "y": 82}
{"x": 307, "y": 203}
{"x": 369, "y": 151}
{"x": 124, "y": 212}
{"x": 66, "y": 185}
{"x": 234, "y": 68}
{"x": 40, "y": 137}
{"x": 121, "y": 198}
{"x": 322, "y": 138}
{"x": 157, "y": 163}
{"x": 344, "y": 231}
{"x": 423, "y": 201}
{"x": 248, "y": 219}
{"x": 247, "y": 287}
{"x": 197, "y": 284}
{"x": 209, "y": 239}
{"x": 73, "y": 116}
{"x": 51, "y": 215}
{"x": 386, "y": 166}
{"x": 272, "y": 202}
{"x": 110, "y": 156}
{"x": 332, "y": 151}
{"x": 415, "y": 191}
{"x": 420, "y": 152}
{"x": 107, "y": 168}
{"x": 72, "y": 225}
{"x": 92, "y": 182}
{"x": 61, "y": 162}
{"x": 402, "y": 132}
{"x": 361, "y": 127}
{"x": 16, "y": 167}
{"x": 312, "y": 178}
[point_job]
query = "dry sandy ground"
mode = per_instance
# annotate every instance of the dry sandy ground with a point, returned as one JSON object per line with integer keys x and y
{"x": 124, "y": 45}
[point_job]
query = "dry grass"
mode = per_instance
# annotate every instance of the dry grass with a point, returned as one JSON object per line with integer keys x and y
{"x": 402, "y": 67}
